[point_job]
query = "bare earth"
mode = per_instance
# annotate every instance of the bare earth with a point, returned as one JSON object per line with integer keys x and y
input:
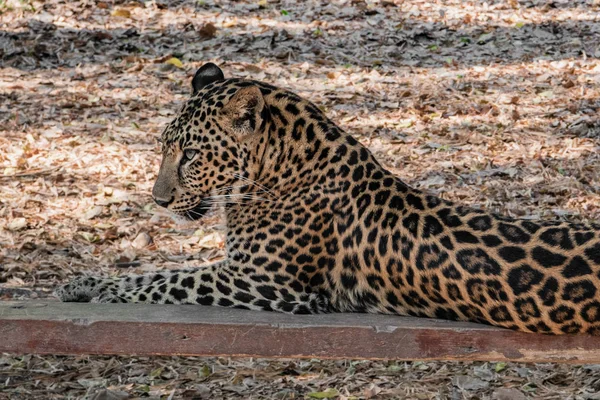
{"x": 494, "y": 104}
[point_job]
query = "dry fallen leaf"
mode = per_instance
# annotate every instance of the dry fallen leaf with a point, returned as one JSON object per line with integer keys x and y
{"x": 121, "y": 12}
{"x": 515, "y": 115}
{"x": 110, "y": 395}
{"x": 327, "y": 394}
{"x": 372, "y": 391}
{"x": 508, "y": 394}
{"x": 174, "y": 61}
{"x": 434, "y": 180}
{"x": 142, "y": 240}
{"x": 17, "y": 224}
{"x": 93, "y": 212}
{"x": 208, "y": 30}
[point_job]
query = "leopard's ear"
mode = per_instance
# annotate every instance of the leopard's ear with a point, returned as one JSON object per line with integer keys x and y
{"x": 208, "y": 73}
{"x": 244, "y": 111}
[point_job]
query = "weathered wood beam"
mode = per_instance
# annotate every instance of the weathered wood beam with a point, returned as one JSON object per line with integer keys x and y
{"x": 136, "y": 329}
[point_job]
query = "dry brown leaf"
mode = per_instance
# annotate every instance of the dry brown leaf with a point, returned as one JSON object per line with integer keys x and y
{"x": 208, "y": 30}
{"x": 121, "y": 12}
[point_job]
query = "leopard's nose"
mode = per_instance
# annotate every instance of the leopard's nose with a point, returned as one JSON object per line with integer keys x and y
{"x": 162, "y": 202}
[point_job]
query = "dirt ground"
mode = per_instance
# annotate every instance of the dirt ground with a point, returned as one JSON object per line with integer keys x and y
{"x": 491, "y": 103}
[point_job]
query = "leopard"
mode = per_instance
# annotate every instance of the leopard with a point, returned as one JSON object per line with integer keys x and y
{"x": 315, "y": 224}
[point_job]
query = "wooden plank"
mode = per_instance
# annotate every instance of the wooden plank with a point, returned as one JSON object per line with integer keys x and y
{"x": 138, "y": 329}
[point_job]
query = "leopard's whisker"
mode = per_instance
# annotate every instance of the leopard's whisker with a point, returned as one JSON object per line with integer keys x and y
{"x": 253, "y": 182}
{"x": 236, "y": 196}
{"x": 226, "y": 188}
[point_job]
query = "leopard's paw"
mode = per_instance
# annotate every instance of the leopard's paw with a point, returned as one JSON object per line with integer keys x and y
{"x": 83, "y": 289}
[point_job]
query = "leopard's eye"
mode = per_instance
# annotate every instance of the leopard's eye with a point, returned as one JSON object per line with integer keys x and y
{"x": 189, "y": 154}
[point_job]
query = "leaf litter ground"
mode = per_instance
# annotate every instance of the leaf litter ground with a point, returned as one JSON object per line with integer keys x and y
{"x": 494, "y": 104}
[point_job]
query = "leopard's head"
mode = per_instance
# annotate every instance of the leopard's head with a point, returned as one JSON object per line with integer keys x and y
{"x": 212, "y": 146}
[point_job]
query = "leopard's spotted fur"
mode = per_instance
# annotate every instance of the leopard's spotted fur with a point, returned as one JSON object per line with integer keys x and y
{"x": 315, "y": 224}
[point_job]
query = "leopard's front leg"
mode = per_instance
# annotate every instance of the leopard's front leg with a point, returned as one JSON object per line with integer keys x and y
{"x": 84, "y": 289}
{"x": 95, "y": 289}
{"x": 218, "y": 284}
